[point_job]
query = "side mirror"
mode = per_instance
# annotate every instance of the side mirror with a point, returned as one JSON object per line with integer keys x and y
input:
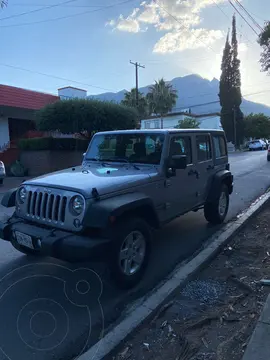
{"x": 84, "y": 154}
{"x": 178, "y": 162}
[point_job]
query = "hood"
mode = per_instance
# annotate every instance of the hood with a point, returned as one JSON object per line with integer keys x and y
{"x": 104, "y": 179}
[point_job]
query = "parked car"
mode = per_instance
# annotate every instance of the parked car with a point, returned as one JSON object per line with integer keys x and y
{"x": 130, "y": 183}
{"x": 2, "y": 172}
{"x": 268, "y": 153}
{"x": 257, "y": 145}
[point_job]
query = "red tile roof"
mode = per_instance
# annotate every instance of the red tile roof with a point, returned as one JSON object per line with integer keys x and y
{"x": 26, "y": 99}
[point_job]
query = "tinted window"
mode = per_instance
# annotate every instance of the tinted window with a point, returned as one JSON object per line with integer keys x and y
{"x": 220, "y": 146}
{"x": 140, "y": 148}
{"x": 203, "y": 148}
{"x": 181, "y": 145}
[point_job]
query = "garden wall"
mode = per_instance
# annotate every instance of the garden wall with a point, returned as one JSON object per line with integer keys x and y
{"x": 45, "y": 161}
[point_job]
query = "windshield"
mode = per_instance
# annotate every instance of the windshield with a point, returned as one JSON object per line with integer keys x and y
{"x": 134, "y": 148}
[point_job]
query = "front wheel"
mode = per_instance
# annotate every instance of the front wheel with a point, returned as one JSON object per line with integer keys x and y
{"x": 130, "y": 252}
{"x": 1, "y": 181}
{"x": 215, "y": 211}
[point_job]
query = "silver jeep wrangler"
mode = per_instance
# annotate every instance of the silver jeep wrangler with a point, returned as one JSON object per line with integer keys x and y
{"x": 129, "y": 183}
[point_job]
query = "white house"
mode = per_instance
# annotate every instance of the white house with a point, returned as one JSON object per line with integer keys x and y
{"x": 207, "y": 121}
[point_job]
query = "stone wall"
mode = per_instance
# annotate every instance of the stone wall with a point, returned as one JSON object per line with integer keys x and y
{"x": 43, "y": 162}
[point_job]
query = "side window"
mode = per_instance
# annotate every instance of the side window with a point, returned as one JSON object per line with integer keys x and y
{"x": 220, "y": 146}
{"x": 203, "y": 148}
{"x": 181, "y": 145}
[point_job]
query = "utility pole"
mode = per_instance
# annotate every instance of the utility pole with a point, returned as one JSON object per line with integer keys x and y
{"x": 137, "y": 81}
{"x": 234, "y": 127}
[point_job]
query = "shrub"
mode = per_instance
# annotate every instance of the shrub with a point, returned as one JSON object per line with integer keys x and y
{"x": 78, "y": 115}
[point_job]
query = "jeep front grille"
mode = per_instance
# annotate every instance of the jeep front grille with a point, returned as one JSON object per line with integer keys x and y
{"x": 46, "y": 207}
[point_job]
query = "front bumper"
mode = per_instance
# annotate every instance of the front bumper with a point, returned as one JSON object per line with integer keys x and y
{"x": 56, "y": 243}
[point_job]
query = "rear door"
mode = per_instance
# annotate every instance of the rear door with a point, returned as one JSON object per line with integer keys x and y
{"x": 205, "y": 164}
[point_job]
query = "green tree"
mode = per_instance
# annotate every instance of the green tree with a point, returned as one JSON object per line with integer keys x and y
{"x": 188, "y": 123}
{"x": 264, "y": 41}
{"x": 130, "y": 101}
{"x": 257, "y": 126}
{"x": 230, "y": 90}
{"x": 161, "y": 98}
{"x": 85, "y": 116}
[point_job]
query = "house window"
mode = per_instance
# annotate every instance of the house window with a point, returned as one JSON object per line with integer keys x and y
{"x": 220, "y": 146}
{"x": 156, "y": 124}
{"x": 147, "y": 124}
{"x": 204, "y": 152}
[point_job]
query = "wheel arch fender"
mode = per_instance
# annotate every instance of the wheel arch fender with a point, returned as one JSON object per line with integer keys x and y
{"x": 104, "y": 213}
{"x": 221, "y": 177}
{"x": 9, "y": 198}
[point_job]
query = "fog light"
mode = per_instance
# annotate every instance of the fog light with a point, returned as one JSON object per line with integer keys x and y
{"x": 77, "y": 223}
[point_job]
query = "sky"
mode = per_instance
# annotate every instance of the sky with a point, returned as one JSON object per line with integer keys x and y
{"x": 48, "y": 44}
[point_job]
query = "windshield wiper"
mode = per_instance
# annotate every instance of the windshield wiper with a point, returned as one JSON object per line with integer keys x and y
{"x": 121, "y": 159}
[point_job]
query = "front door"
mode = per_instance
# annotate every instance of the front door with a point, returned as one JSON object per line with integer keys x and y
{"x": 205, "y": 164}
{"x": 181, "y": 189}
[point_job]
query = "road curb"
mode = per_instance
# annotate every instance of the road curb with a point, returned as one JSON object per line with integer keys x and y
{"x": 258, "y": 346}
{"x": 177, "y": 278}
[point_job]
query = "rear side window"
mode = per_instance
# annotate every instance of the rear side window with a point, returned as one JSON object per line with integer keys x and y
{"x": 203, "y": 148}
{"x": 220, "y": 146}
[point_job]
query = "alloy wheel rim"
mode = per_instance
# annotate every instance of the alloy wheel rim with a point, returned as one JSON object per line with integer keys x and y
{"x": 222, "y": 206}
{"x": 132, "y": 253}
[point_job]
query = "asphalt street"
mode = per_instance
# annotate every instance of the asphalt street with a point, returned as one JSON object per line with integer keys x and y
{"x": 45, "y": 310}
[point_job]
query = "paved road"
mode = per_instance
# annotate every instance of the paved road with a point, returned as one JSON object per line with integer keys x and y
{"x": 44, "y": 317}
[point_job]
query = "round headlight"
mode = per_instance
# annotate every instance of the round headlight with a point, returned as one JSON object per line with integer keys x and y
{"x": 22, "y": 195}
{"x": 77, "y": 204}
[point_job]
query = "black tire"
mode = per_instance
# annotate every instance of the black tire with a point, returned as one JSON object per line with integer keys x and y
{"x": 268, "y": 158}
{"x": 1, "y": 181}
{"x": 212, "y": 211}
{"x": 120, "y": 234}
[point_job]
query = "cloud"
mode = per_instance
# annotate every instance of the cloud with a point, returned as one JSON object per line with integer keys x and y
{"x": 187, "y": 39}
{"x": 176, "y": 17}
{"x": 128, "y": 24}
{"x": 242, "y": 47}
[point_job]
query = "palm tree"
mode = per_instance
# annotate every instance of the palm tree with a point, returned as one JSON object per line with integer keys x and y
{"x": 130, "y": 100}
{"x": 161, "y": 98}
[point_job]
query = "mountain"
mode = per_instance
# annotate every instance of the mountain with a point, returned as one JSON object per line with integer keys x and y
{"x": 193, "y": 91}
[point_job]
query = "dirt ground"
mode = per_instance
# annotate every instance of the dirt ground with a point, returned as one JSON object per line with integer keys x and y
{"x": 213, "y": 317}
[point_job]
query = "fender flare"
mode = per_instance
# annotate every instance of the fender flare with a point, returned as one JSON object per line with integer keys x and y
{"x": 102, "y": 213}
{"x": 9, "y": 198}
{"x": 220, "y": 177}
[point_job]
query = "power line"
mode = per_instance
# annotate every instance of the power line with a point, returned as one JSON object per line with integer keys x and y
{"x": 67, "y": 16}
{"x": 249, "y": 15}
{"x": 252, "y": 28}
{"x": 36, "y": 10}
{"x": 55, "y": 77}
{"x": 224, "y": 13}
{"x": 41, "y": 5}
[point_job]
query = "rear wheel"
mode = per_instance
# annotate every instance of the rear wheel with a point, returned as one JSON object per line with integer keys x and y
{"x": 130, "y": 252}
{"x": 215, "y": 211}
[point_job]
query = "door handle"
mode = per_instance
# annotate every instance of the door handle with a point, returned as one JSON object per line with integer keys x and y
{"x": 210, "y": 167}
